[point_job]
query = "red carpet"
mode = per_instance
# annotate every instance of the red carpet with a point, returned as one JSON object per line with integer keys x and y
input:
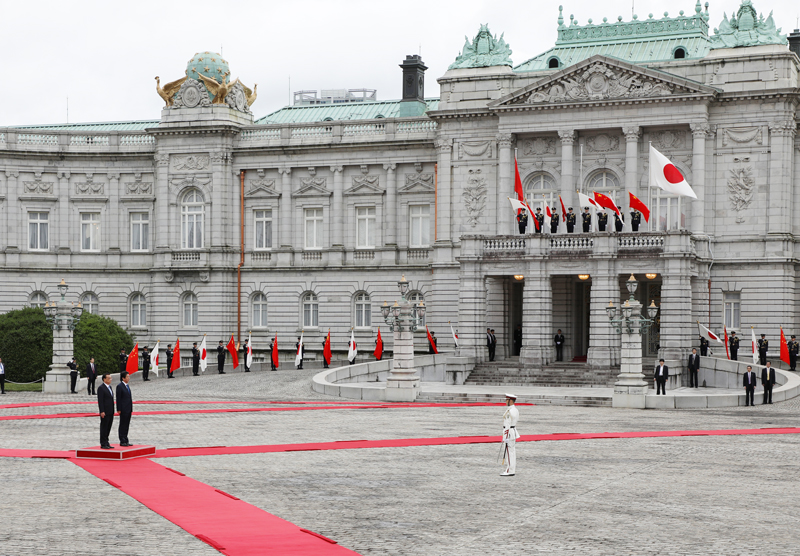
{"x": 217, "y": 518}
{"x": 43, "y": 404}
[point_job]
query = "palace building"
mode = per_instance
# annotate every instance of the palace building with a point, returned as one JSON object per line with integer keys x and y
{"x": 210, "y": 221}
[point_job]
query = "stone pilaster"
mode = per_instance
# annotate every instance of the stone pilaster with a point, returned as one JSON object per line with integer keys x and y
{"x": 505, "y": 183}
{"x": 63, "y": 224}
{"x": 12, "y": 208}
{"x": 781, "y": 135}
{"x": 166, "y": 228}
{"x": 338, "y": 216}
{"x": 285, "y": 240}
{"x": 632, "y": 135}
{"x": 567, "y": 137}
{"x": 223, "y": 222}
{"x": 699, "y": 136}
{"x": 678, "y": 330}
{"x": 113, "y": 236}
{"x": 444, "y": 148}
{"x": 537, "y": 326}
{"x": 603, "y": 340}
{"x": 389, "y": 209}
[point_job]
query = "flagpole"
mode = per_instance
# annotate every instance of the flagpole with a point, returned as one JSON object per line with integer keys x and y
{"x": 649, "y": 197}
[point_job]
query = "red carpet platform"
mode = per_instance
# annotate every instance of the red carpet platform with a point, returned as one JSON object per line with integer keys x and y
{"x": 117, "y": 453}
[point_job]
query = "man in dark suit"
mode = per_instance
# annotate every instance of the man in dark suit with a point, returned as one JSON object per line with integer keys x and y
{"x": 749, "y": 383}
{"x": 195, "y": 359}
{"x": 2, "y": 377}
{"x": 733, "y": 344}
{"x": 703, "y": 346}
{"x": 221, "y": 354}
{"x": 91, "y": 376}
{"x": 73, "y": 374}
{"x": 661, "y": 375}
{"x": 123, "y": 359}
{"x": 763, "y": 346}
{"x": 124, "y": 407}
{"x": 694, "y": 366}
{"x": 170, "y": 353}
{"x": 105, "y": 401}
{"x": 768, "y": 381}
{"x": 244, "y": 355}
{"x": 490, "y": 344}
{"x": 271, "y": 360}
{"x": 570, "y": 221}
{"x": 558, "y": 340}
{"x": 145, "y": 364}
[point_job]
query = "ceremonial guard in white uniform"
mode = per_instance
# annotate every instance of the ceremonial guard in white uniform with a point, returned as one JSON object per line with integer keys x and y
{"x": 510, "y": 436}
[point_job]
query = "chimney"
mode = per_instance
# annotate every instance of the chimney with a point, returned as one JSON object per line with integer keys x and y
{"x": 794, "y": 42}
{"x": 413, "y": 103}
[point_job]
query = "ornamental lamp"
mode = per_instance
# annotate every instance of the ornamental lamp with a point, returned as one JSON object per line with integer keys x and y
{"x": 627, "y": 310}
{"x": 519, "y": 277}
{"x": 403, "y": 285}
{"x": 77, "y": 311}
{"x": 62, "y": 289}
{"x": 652, "y": 310}
{"x": 385, "y": 310}
{"x": 611, "y": 310}
{"x": 396, "y": 310}
{"x": 651, "y": 276}
{"x": 421, "y": 309}
{"x": 583, "y": 277}
{"x": 632, "y": 284}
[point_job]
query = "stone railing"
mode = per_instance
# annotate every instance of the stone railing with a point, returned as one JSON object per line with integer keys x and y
{"x": 418, "y": 254}
{"x": 364, "y": 129}
{"x": 185, "y": 256}
{"x": 641, "y": 240}
{"x": 363, "y": 255}
{"x": 2, "y": 138}
{"x": 571, "y": 243}
{"x": 263, "y": 134}
{"x": 312, "y": 255}
{"x": 89, "y": 140}
{"x": 504, "y": 244}
{"x": 313, "y": 131}
{"x": 37, "y": 139}
{"x": 260, "y": 256}
{"x": 422, "y": 126}
{"x": 136, "y": 140}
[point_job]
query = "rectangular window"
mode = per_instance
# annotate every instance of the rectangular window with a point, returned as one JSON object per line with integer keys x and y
{"x": 313, "y": 221}
{"x": 733, "y": 310}
{"x": 140, "y": 231}
{"x": 669, "y": 213}
{"x": 263, "y": 229}
{"x": 365, "y": 227}
{"x": 38, "y": 237}
{"x": 90, "y": 231}
{"x": 420, "y": 225}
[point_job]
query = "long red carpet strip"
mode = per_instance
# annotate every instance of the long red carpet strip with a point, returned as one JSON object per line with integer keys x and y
{"x": 221, "y": 402}
{"x": 221, "y": 520}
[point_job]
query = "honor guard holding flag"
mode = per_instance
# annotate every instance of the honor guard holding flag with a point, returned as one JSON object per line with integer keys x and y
{"x": 554, "y": 221}
{"x": 636, "y": 219}
{"x": 619, "y": 220}
{"x": 763, "y": 346}
{"x": 794, "y": 348}
{"x": 703, "y": 346}
{"x": 540, "y": 218}
{"x": 570, "y": 221}
{"x": 522, "y": 220}
{"x": 602, "y": 220}
{"x": 733, "y": 344}
{"x": 510, "y": 436}
{"x": 587, "y": 220}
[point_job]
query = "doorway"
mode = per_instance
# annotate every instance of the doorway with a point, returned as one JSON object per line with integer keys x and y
{"x": 581, "y": 322}
{"x": 515, "y": 293}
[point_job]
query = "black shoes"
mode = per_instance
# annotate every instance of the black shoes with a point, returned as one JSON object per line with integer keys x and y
{"x": 126, "y": 445}
{"x": 107, "y": 447}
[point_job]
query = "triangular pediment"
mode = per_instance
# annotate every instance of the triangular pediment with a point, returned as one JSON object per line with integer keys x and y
{"x": 601, "y": 78}
{"x": 418, "y": 182}
{"x": 313, "y": 187}
{"x": 263, "y": 188}
{"x": 365, "y": 185}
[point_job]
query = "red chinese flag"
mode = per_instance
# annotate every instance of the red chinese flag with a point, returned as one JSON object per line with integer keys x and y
{"x": 563, "y": 210}
{"x": 784, "y": 349}
{"x": 326, "y": 351}
{"x": 231, "y": 347}
{"x": 133, "y": 360}
{"x": 176, "y": 356}
{"x": 275, "y": 352}
{"x": 636, "y": 204}
{"x": 726, "y": 342}
{"x": 606, "y": 202}
{"x": 379, "y": 347}
{"x": 430, "y": 340}
{"x": 518, "y": 182}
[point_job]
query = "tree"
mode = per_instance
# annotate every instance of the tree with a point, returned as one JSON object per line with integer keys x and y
{"x": 26, "y": 344}
{"x": 101, "y": 338}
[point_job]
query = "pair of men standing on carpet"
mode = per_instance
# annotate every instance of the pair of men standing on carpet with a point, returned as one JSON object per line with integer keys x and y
{"x": 105, "y": 402}
{"x": 767, "y": 381}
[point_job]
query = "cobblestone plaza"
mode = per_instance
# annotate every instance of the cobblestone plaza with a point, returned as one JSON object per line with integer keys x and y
{"x": 680, "y": 495}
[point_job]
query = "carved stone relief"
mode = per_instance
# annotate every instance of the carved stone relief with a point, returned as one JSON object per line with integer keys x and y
{"x": 192, "y": 162}
{"x": 668, "y": 139}
{"x": 475, "y": 196}
{"x": 742, "y": 135}
{"x": 539, "y": 146}
{"x": 137, "y": 186}
{"x": 602, "y": 143}
{"x": 190, "y": 181}
{"x": 418, "y": 181}
{"x": 741, "y": 185}
{"x": 37, "y": 186}
{"x": 475, "y": 149}
{"x": 319, "y": 183}
{"x": 88, "y": 187}
{"x": 267, "y": 185}
{"x": 370, "y": 181}
{"x": 191, "y": 95}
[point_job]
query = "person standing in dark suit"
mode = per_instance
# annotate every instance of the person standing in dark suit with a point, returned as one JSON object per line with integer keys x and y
{"x": 558, "y": 340}
{"x": 587, "y": 220}
{"x": 749, "y": 383}
{"x": 91, "y": 376}
{"x": 221, "y": 358}
{"x": 518, "y": 340}
{"x": 694, "y": 366}
{"x": 271, "y": 360}
{"x": 522, "y": 220}
{"x": 570, "y": 221}
{"x": 301, "y": 349}
{"x": 170, "y": 353}
{"x": 489, "y": 343}
{"x": 733, "y": 343}
{"x": 767, "y": 381}
{"x": 105, "y": 401}
{"x": 124, "y": 407}
{"x": 195, "y": 359}
{"x": 554, "y": 221}
{"x": 540, "y": 219}
{"x": 703, "y": 346}
{"x": 602, "y": 220}
{"x": 661, "y": 375}
{"x": 73, "y": 375}
{"x": 432, "y": 344}
{"x": 763, "y": 346}
{"x": 794, "y": 348}
{"x": 2, "y": 377}
{"x": 494, "y": 345}
{"x": 244, "y": 355}
{"x": 324, "y": 361}
{"x": 123, "y": 359}
{"x": 618, "y": 219}
{"x": 636, "y": 220}
{"x": 145, "y": 364}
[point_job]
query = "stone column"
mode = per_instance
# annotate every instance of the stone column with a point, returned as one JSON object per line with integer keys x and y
{"x": 114, "y": 236}
{"x": 63, "y": 217}
{"x": 286, "y": 208}
{"x": 472, "y": 311}
{"x": 12, "y": 207}
{"x": 338, "y": 216}
{"x": 389, "y": 210}
{"x": 221, "y": 203}
{"x": 699, "y": 136}
{"x": 444, "y": 148}
{"x": 402, "y": 385}
{"x": 677, "y": 327}
{"x": 505, "y": 184}
{"x": 164, "y": 231}
{"x": 630, "y": 389}
{"x": 781, "y": 135}
{"x": 568, "y": 186}
{"x": 603, "y": 340}
{"x": 537, "y": 326}
{"x": 632, "y": 135}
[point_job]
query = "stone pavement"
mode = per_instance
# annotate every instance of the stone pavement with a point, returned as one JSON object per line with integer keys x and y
{"x": 689, "y": 495}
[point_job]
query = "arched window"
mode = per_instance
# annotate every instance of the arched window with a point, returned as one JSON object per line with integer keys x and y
{"x": 259, "y": 305}
{"x": 603, "y": 181}
{"x": 679, "y": 53}
{"x": 89, "y": 302}
{"x": 415, "y": 298}
{"x": 138, "y": 310}
{"x": 553, "y": 63}
{"x": 540, "y": 190}
{"x": 189, "y": 310}
{"x": 310, "y": 311}
{"x": 37, "y": 300}
{"x": 363, "y": 310}
{"x": 192, "y": 212}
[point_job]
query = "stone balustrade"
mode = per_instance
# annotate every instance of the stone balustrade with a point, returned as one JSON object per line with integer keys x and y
{"x": 19, "y": 140}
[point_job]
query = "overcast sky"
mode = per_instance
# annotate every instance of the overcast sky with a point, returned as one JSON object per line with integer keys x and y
{"x": 104, "y": 55}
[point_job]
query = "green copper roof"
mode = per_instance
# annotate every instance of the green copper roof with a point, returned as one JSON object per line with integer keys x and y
{"x": 335, "y": 112}
{"x": 634, "y": 41}
{"x": 140, "y": 125}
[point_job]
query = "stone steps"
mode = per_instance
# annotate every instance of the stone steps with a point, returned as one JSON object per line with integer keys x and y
{"x": 563, "y": 375}
{"x": 576, "y": 401}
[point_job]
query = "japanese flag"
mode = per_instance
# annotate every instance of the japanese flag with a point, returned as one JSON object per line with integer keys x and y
{"x": 248, "y": 358}
{"x": 707, "y": 334}
{"x": 154, "y": 358}
{"x": 203, "y": 355}
{"x": 351, "y": 349}
{"x": 298, "y": 359}
{"x": 665, "y": 175}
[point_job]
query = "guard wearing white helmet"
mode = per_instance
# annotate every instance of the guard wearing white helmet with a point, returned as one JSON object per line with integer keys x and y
{"x": 510, "y": 436}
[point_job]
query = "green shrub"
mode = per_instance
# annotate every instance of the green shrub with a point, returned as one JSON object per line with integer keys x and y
{"x": 26, "y": 344}
{"x": 101, "y": 338}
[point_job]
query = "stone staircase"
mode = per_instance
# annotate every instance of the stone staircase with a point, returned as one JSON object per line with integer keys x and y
{"x": 544, "y": 399}
{"x": 562, "y": 374}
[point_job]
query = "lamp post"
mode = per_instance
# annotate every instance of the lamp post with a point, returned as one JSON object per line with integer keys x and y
{"x": 404, "y": 319}
{"x": 630, "y": 390}
{"x": 62, "y": 317}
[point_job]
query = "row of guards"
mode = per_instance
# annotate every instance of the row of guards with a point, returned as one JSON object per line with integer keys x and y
{"x": 786, "y": 352}
{"x": 132, "y": 364}
{"x": 663, "y": 174}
